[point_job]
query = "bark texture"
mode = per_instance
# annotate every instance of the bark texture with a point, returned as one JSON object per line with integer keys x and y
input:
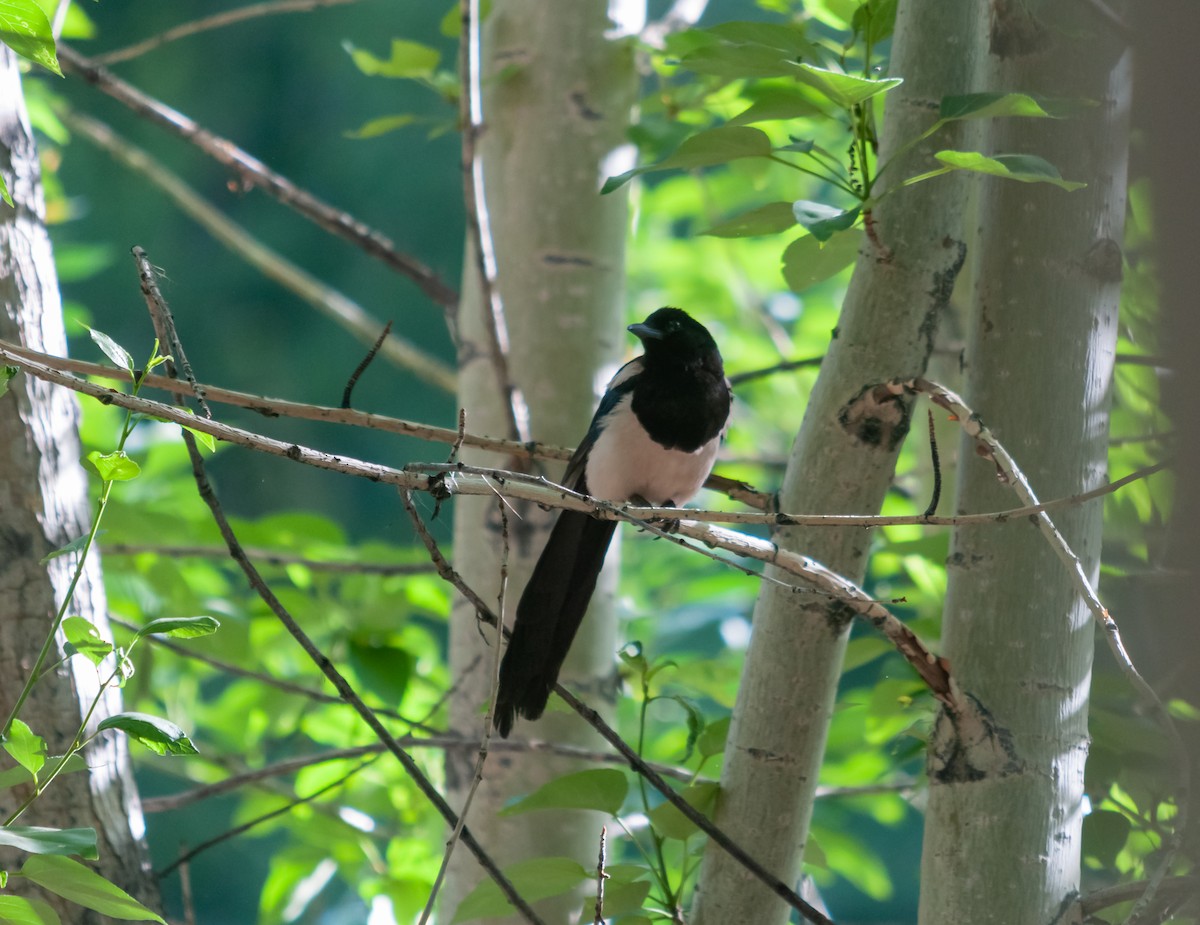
{"x": 1002, "y": 840}
{"x": 553, "y": 124}
{"x": 43, "y": 505}
{"x": 842, "y": 462}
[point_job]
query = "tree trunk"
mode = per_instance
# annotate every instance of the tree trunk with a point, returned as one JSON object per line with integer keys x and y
{"x": 842, "y": 462}
{"x": 1002, "y": 837}
{"x": 552, "y": 125}
{"x": 43, "y": 505}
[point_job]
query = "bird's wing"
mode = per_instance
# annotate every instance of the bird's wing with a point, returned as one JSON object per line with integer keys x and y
{"x": 619, "y": 386}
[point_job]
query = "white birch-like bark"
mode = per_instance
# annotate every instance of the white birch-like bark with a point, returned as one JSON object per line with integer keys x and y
{"x": 43, "y": 505}
{"x": 842, "y": 462}
{"x": 1002, "y": 836}
{"x": 555, "y": 123}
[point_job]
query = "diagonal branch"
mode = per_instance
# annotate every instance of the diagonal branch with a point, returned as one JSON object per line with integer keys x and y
{"x": 254, "y": 173}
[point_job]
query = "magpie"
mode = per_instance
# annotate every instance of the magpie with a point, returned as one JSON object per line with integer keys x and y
{"x": 652, "y": 440}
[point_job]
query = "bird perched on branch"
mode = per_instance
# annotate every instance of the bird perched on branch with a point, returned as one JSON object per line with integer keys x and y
{"x": 653, "y": 440}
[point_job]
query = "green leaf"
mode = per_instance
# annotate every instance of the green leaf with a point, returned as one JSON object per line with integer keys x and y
{"x": 17, "y": 910}
{"x": 695, "y": 721}
{"x": 72, "y": 880}
{"x": 206, "y": 440}
{"x": 772, "y": 218}
{"x": 38, "y": 840}
{"x": 111, "y": 348}
{"x": 739, "y": 50}
{"x": 180, "y": 627}
{"x": 381, "y": 126}
{"x": 159, "y": 735}
{"x": 85, "y": 639}
{"x": 843, "y": 89}
{"x": 409, "y": 60}
{"x": 823, "y": 221}
{"x": 535, "y": 879}
{"x": 1028, "y": 168}
{"x": 13, "y": 776}
{"x": 6, "y": 372}
{"x": 114, "y": 467}
{"x": 706, "y": 149}
{"x": 451, "y": 24}
{"x": 995, "y": 105}
{"x": 7, "y": 197}
{"x": 75, "y": 545}
{"x": 808, "y": 261}
{"x": 620, "y": 898}
{"x": 384, "y": 670}
{"x": 875, "y": 20}
{"x": 601, "y": 789}
{"x": 26, "y": 747}
{"x": 669, "y": 822}
{"x": 774, "y": 104}
{"x": 25, "y": 28}
{"x": 1104, "y": 835}
{"x": 712, "y": 739}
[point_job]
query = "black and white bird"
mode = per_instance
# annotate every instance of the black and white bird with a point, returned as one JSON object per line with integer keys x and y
{"x": 653, "y": 440}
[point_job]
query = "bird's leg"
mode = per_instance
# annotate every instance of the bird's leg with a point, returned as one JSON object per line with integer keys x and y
{"x": 666, "y": 524}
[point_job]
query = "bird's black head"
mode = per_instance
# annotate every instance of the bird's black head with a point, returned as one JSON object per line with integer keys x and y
{"x": 672, "y": 332}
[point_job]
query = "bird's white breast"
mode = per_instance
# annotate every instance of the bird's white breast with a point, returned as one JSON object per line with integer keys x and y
{"x": 625, "y": 462}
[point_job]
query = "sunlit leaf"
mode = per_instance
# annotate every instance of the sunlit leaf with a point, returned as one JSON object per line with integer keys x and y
{"x": 17, "y": 910}
{"x": 381, "y": 126}
{"x": 75, "y": 545}
{"x": 25, "y": 747}
{"x": 844, "y": 89}
{"x": 6, "y": 372}
{"x": 775, "y": 104}
{"x": 408, "y": 60}
{"x": 111, "y": 348}
{"x": 159, "y": 735}
{"x": 114, "y": 467}
{"x": 10, "y": 777}
{"x": 25, "y": 28}
{"x": 534, "y": 879}
{"x": 600, "y": 789}
{"x": 1028, "y": 168}
{"x": 39, "y": 840}
{"x": 72, "y": 880}
{"x": 706, "y": 149}
{"x": 180, "y": 627}
{"x": 85, "y": 639}
{"x": 994, "y": 105}
{"x": 712, "y": 739}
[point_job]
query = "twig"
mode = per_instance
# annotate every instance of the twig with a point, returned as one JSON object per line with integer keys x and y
{"x": 479, "y": 222}
{"x": 1176, "y": 888}
{"x": 254, "y": 173}
{"x": 271, "y": 557}
{"x": 634, "y": 760}
{"x": 366, "y": 361}
{"x": 601, "y": 876}
{"x": 258, "y": 820}
{"x": 216, "y": 21}
{"x": 1010, "y": 474}
{"x": 937, "y": 470}
{"x": 749, "y": 376}
{"x": 324, "y": 298}
{"x": 481, "y": 758}
{"x": 238, "y": 671}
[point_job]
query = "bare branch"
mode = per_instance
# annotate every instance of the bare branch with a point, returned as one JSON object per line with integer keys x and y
{"x": 254, "y": 173}
{"x": 273, "y": 265}
{"x": 271, "y": 557}
{"x": 216, "y": 21}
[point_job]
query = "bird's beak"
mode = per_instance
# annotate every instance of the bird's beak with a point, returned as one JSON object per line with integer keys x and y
{"x": 643, "y": 331}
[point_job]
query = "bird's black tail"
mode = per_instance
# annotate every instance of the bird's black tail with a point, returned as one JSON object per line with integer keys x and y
{"x": 549, "y": 615}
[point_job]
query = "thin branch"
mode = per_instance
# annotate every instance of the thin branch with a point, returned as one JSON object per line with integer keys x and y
{"x": 479, "y": 221}
{"x": 271, "y": 557}
{"x": 216, "y": 21}
{"x": 258, "y": 820}
{"x": 787, "y": 366}
{"x": 254, "y": 173}
{"x": 324, "y": 298}
{"x": 480, "y": 481}
{"x": 1010, "y": 474}
{"x": 601, "y": 876}
{"x": 277, "y": 683}
{"x": 362, "y": 366}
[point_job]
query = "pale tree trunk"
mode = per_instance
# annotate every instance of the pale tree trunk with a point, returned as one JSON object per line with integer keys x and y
{"x": 551, "y": 126}
{"x": 43, "y": 505}
{"x": 1002, "y": 835}
{"x": 842, "y": 462}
